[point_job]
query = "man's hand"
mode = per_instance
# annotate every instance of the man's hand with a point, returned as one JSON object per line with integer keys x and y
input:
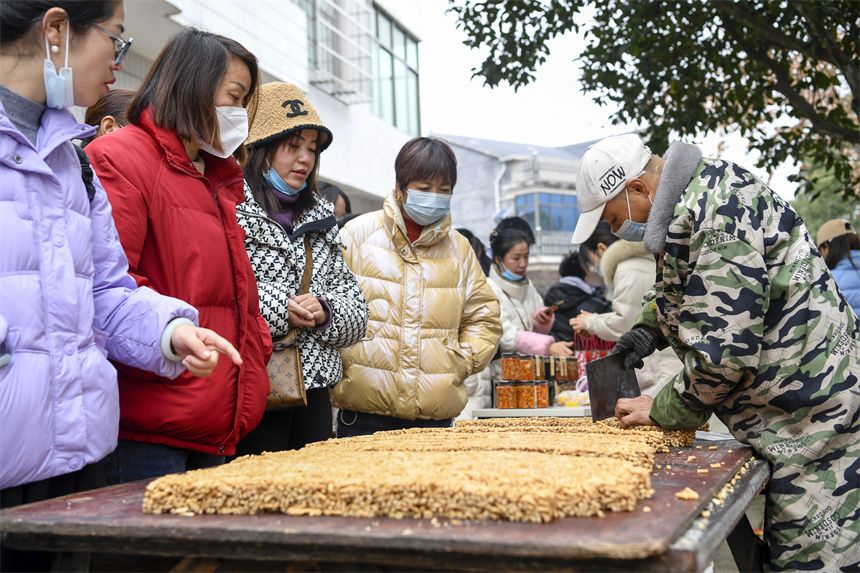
{"x": 200, "y": 347}
{"x": 634, "y": 411}
{"x": 635, "y": 345}
{"x": 577, "y": 323}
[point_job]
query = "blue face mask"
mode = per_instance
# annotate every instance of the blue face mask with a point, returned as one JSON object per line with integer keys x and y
{"x": 278, "y": 184}
{"x": 426, "y": 208}
{"x": 59, "y": 87}
{"x": 511, "y": 276}
{"x": 630, "y": 230}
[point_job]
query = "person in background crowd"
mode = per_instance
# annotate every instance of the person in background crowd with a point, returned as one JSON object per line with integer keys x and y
{"x": 572, "y": 295}
{"x": 767, "y": 341}
{"x": 67, "y": 302}
{"x": 173, "y": 180}
{"x": 341, "y": 221}
{"x": 480, "y": 384}
{"x": 281, "y": 209}
{"x": 336, "y": 196}
{"x": 628, "y": 270}
{"x": 109, "y": 113}
{"x": 840, "y": 247}
{"x": 526, "y": 322}
{"x": 434, "y": 321}
{"x": 519, "y": 224}
{"x": 479, "y": 248}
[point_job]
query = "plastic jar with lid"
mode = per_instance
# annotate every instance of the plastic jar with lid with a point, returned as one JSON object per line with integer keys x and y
{"x": 540, "y": 368}
{"x": 510, "y": 366}
{"x": 505, "y": 395}
{"x": 526, "y": 368}
{"x": 541, "y": 394}
{"x": 526, "y": 394}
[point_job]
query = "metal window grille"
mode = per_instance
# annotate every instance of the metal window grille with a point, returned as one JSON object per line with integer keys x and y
{"x": 341, "y": 46}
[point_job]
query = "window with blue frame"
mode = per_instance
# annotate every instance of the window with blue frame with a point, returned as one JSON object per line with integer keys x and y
{"x": 549, "y": 211}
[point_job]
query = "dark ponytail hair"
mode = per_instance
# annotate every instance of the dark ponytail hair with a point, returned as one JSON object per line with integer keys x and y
{"x": 519, "y": 224}
{"x": 19, "y": 18}
{"x": 840, "y": 247}
{"x": 602, "y": 234}
{"x": 115, "y": 104}
{"x": 571, "y": 266}
{"x": 502, "y": 241}
{"x": 331, "y": 192}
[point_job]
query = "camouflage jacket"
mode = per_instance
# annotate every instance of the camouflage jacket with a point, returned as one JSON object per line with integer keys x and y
{"x": 768, "y": 344}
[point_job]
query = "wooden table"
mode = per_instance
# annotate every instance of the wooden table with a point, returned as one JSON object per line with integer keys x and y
{"x": 670, "y": 536}
{"x": 551, "y": 412}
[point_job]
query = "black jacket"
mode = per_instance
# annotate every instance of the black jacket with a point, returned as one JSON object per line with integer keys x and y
{"x": 575, "y": 300}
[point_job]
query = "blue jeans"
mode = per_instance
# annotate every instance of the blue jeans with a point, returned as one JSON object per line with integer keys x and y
{"x": 139, "y": 460}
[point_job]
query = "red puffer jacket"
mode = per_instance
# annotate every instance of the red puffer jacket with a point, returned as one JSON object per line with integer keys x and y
{"x": 180, "y": 233}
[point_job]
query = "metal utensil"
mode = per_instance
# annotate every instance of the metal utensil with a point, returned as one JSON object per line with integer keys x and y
{"x": 608, "y": 381}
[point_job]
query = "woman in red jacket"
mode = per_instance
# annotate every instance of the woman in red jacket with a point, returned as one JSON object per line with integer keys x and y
{"x": 173, "y": 181}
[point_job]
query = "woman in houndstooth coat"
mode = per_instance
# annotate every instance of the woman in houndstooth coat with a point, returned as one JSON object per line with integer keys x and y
{"x": 281, "y": 209}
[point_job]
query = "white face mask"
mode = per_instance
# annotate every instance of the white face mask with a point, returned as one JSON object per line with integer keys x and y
{"x": 233, "y": 129}
{"x": 59, "y": 87}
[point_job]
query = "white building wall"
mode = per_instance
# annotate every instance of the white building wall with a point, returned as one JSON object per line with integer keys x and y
{"x": 474, "y": 200}
{"x": 361, "y": 157}
{"x": 274, "y": 30}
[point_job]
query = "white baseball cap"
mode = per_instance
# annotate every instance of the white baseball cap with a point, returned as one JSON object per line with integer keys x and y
{"x": 604, "y": 170}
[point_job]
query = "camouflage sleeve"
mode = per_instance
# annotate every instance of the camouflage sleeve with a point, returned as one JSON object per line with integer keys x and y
{"x": 648, "y": 314}
{"x": 669, "y": 411}
{"x": 721, "y": 317}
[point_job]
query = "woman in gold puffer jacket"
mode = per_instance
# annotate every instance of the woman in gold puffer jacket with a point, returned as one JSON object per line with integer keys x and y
{"x": 433, "y": 319}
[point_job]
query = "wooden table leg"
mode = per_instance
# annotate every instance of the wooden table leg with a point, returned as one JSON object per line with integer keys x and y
{"x": 745, "y": 547}
{"x": 197, "y": 565}
{"x": 75, "y": 562}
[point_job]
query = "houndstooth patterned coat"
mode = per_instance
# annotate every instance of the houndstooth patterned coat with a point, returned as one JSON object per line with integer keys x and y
{"x": 278, "y": 259}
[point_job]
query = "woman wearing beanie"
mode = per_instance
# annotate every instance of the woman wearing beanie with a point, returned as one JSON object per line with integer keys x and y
{"x": 840, "y": 246}
{"x": 629, "y": 271}
{"x": 283, "y": 213}
{"x": 433, "y": 319}
{"x": 173, "y": 180}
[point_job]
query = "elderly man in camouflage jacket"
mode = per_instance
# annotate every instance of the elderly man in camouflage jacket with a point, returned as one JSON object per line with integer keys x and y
{"x": 768, "y": 343}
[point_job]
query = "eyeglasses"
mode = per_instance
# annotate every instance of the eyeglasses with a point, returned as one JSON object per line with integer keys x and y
{"x": 121, "y": 46}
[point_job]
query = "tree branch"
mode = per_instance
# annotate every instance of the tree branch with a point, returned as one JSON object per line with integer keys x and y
{"x": 797, "y": 101}
{"x": 843, "y": 61}
{"x": 747, "y": 19}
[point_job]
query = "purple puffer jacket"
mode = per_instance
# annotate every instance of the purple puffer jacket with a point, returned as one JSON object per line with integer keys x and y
{"x": 66, "y": 304}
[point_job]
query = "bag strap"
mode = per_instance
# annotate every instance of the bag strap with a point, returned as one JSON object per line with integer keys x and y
{"x": 305, "y": 286}
{"x": 86, "y": 172}
{"x": 292, "y": 335}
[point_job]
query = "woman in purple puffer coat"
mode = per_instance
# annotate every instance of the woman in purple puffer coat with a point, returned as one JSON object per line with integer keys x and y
{"x": 67, "y": 302}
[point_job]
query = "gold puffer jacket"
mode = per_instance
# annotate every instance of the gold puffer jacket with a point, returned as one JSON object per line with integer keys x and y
{"x": 433, "y": 319}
